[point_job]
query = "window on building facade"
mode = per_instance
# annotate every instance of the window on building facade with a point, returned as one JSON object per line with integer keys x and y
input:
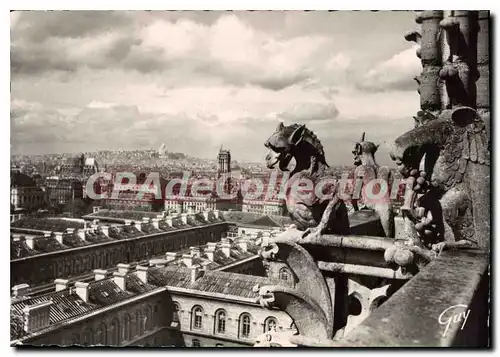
{"x": 115, "y": 332}
{"x": 87, "y": 337}
{"x": 270, "y": 324}
{"x": 284, "y": 274}
{"x": 220, "y": 318}
{"x": 75, "y": 340}
{"x": 127, "y": 331}
{"x": 100, "y": 334}
{"x": 139, "y": 330}
{"x": 245, "y": 325}
{"x": 196, "y": 343}
{"x": 175, "y": 312}
{"x": 148, "y": 323}
{"x": 197, "y": 317}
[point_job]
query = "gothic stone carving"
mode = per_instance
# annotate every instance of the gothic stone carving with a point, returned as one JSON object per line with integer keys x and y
{"x": 441, "y": 198}
{"x": 368, "y": 170}
{"x": 313, "y": 214}
{"x": 309, "y": 302}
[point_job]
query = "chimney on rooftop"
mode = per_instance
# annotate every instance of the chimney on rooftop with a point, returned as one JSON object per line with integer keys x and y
{"x": 120, "y": 279}
{"x": 96, "y": 209}
{"x": 20, "y": 290}
{"x": 205, "y": 215}
{"x": 82, "y": 290}
{"x": 196, "y": 273}
{"x": 127, "y": 222}
{"x": 168, "y": 220}
{"x": 171, "y": 256}
{"x": 243, "y": 244}
{"x": 100, "y": 274}
{"x": 145, "y": 220}
{"x": 81, "y": 234}
{"x": 138, "y": 225}
{"x": 70, "y": 230}
{"x": 30, "y": 242}
{"x": 184, "y": 218}
{"x": 37, "y": 316}
{"x": 123, "y": 268}
{"x": 187, "y": 260}
{"x": 142, "y": 273}
{"x": 226, "y": 249}
{"x": 159, "y": 263}
{"x": 59, "y": 237}
{"x": 210, "y": 253}
{"x": 216, "y": 213}
{"x": 194, "y": 251}
{"x": 105, "y": 230}
{"x": 61, "y": 284}
{"x": 156, "y": 223}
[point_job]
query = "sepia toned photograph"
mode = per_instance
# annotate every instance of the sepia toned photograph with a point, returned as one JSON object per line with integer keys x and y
{"x": 250, "y": 179}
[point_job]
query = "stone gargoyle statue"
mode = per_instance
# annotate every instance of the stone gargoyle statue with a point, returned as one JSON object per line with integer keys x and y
{"x": 367, "y": 170}
{"x": 443, "y": 161}
{"x": 312, "y": 214}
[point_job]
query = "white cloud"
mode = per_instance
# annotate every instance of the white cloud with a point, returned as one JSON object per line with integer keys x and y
{"x": 141, "y": 80}
{"x": 305, "y": 112}
{"x": 98, "y": 104}
{"x": 396, "y": 73}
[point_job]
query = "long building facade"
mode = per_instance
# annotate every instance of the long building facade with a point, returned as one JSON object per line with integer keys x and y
{"x": 54, "y": 250}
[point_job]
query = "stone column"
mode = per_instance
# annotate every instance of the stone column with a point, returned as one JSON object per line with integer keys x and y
{"x": 480, "y": 177}
{"x": 430, "y": 55}
{"x": 466, "y": 55}
{"x": 483, "y": 66}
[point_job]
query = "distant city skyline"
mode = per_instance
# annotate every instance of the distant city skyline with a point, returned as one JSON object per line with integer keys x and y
{"x": 88, "y": 81}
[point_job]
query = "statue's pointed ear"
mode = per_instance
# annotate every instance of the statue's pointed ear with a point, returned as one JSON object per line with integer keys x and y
{"x": 297, "y": 135}
{"x": 363, "y": 137}
{"x": 280, "y": 126}
{"x": 463, "y": 116}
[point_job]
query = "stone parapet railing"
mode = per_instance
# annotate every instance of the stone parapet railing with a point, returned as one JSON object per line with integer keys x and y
{"x": 444, "y": 305}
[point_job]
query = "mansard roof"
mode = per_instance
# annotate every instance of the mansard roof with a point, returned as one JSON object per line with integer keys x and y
{"x": 37, "y": 227}
{"x": 218, "y": 282}
{"x": 255, "y": 219}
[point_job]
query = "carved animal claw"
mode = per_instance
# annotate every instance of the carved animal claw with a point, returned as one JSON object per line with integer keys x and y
{"x": 439, "y": 247}
{"x": 461, "y": 244}
{"x": 312, "y": 233}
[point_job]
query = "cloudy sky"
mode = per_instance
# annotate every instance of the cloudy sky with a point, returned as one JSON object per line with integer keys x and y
{"x": 84, "y": 81}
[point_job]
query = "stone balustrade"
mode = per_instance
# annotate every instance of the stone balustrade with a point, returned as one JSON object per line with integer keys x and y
{"x": 453, "y": 287}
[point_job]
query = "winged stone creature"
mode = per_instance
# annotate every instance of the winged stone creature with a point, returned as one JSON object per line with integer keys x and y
{"x": 313, "y": 213}
{"x": 446, "y": 197}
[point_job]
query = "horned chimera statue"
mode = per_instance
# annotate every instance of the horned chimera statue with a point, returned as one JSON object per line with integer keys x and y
{"x": 311, "y": 214}
{"x": 367, "y": 170}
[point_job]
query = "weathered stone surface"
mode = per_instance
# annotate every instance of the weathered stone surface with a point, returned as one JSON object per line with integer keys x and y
{"x": 367, "y": 171}
{"x": 457, "y": 167}
{"x": 411, "y": 316}
{"x": 314, "y": 215}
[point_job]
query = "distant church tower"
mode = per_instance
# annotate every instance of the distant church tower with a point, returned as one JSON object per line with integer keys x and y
{"x": 224, "y": 158}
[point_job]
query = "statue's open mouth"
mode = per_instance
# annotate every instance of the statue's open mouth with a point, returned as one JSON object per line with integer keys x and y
{"x": 271, "y": 165}
{"x": 283, "y": 159}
